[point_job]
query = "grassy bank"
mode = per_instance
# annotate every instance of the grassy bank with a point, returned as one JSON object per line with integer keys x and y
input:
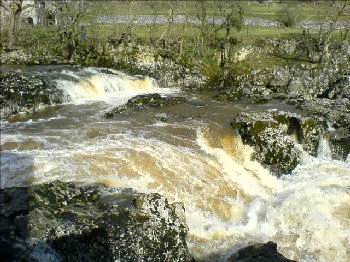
{"x": 307, "y": 10}
{"x": 209, "y": 48}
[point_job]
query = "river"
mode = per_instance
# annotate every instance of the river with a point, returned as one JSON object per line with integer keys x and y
{"x": 188, "y": 153}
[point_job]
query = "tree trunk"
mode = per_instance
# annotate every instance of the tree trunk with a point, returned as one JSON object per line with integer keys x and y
{"x": 11, "y": 32}
{"x": 13, "y": 28}
{"x": 17, "y": 17}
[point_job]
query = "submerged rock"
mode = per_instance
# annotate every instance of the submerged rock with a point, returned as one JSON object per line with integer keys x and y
{"x": 276, "y": 135}
{"x": 66, "y": 222}
{"x": 25, "y": 93}
{"x": 266, "y": 252}
{"x": 142, "y": 102}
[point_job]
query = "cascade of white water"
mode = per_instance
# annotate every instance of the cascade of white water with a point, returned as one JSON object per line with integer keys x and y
{"x": 324, "y": 150}
{"x": 93, "y": 84}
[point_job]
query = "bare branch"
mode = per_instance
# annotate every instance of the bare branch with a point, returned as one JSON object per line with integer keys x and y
{"x": 27, "y": 7}
{"x": 3, "y": 5}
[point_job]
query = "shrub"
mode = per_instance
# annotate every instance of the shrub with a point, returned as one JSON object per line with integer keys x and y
{"x": 288, "y": 16}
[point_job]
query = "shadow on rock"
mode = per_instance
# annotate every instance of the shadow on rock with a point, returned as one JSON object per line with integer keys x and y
{"x": 259, "y": 253}
{"x": 69, "y": 222}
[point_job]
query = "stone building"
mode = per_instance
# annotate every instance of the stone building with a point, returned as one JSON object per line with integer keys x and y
{"x": 40, "y": 12}
{"x": 43, "y": 13}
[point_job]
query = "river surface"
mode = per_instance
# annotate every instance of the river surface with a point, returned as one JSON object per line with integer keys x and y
{"x": 187, "y": 153}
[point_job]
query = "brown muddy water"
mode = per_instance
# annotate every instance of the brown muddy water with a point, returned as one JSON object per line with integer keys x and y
{"x": 188, "y": 153}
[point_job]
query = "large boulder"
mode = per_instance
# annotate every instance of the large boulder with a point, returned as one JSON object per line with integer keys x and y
{"x": 276, "y": 136}
{"x": 26, "y": 93}
{"x": 143, "y": 102}
{"x": 68, "y": 222}
{"x": 266, "y": 252}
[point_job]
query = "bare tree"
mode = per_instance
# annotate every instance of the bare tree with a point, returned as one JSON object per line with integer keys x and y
{"x": 131, "y": 19}
{"x": 170, "y": 19}
{"x": 317, "y": 47}
{"x": 326, "y": 36}
{"x": 70, "y": 16}
{"x": 152, "y": 25}
{"x": 232, "y": 19}
{"x": 14, "y": 9}
{"x": 202, "y": 17}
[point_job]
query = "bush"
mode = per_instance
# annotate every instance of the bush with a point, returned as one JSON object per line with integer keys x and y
{"x": 288, "y": 16}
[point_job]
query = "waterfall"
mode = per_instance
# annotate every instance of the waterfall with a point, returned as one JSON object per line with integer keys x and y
{"x": 93, "y": 84}
{"x": 324, "y": 150}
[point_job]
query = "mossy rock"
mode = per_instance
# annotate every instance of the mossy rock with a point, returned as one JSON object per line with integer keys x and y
{"x": 70, "y": 222}
{"x": 144, "y": 102}
{"x": 23, "y": 92}
{"x": 275, "y": 136}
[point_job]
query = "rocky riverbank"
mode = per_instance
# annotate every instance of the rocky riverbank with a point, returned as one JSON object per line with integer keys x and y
{"x": 67, "y": 222}
{"x": 26, "y": 93}
{"x": 132, "y": 58}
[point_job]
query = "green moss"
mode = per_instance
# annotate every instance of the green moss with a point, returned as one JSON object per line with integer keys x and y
{"x": 259, "y": 126}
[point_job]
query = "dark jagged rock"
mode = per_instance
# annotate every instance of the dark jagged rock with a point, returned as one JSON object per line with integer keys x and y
{"x": 25, "y": 93}
{"x": 259, "y": 253}
{"x": 275, "y": 136}
{"x": 66, "y": 222}
{"x": 142, "y": 102}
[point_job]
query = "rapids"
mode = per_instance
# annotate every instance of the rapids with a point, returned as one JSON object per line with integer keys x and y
{"x": 193, "y": 157}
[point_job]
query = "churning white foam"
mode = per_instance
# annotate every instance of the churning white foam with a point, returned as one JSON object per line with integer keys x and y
{"x": 230, "y": 200}
{"x": 91, "y": 84}
{"x": 307, "y": 213}
{"x": 324, "y": 149}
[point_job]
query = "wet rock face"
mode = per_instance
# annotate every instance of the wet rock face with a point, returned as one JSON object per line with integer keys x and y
{"x": 340, "y": 146}
{"x": 276, "y": 135}
{"x": 277, "y": 150}
{"x": 336, "y": 112}
{"x": 143, "y": 102}
{"x": 259, "y": 253}
{"x": 66, "y": 222}
{"x": 25, "y": 93}
{"x": 337, "y": 115}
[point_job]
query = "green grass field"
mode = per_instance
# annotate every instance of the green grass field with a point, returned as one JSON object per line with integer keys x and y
{"x": 190, "y": 35}
{"x": 305, "y": 11}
